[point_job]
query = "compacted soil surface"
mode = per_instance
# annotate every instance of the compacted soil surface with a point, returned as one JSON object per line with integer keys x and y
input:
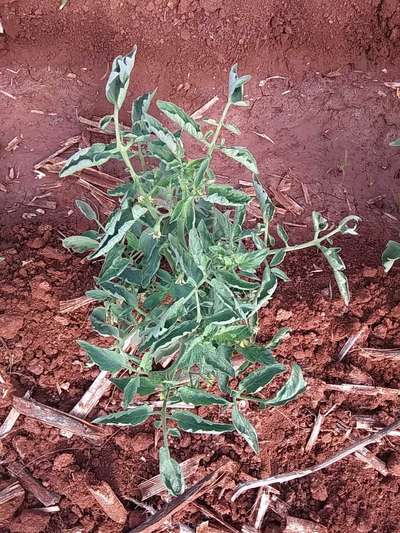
{"x": 322, "y": 114}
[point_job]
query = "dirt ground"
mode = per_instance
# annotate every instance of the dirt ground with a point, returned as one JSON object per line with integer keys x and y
{"x": 318, "y": 93}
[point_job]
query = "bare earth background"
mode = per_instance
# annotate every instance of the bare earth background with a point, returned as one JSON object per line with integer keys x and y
{"x": 318, "y": 92}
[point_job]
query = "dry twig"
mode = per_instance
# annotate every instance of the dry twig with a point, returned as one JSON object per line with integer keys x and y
{"x": 11, "y": 419}
{"x": 319, "y": 420}
{"x": 368, "y": 390}
{"x": 14, "y": 490}
{"x": 155, "y": 522}
{"x": 296, "y": 474}
{"x": 214, "y": 516}
{"x": 29, "y": 483}
{"x": 348, "y": 345}
{"x": 55, "y": 418}
{"x": 380, "y": 354}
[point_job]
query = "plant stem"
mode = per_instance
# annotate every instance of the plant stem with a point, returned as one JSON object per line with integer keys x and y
{"x": 308, "y": 244}
{"x": 164, "y": 417}
{"x": 124, "y": 153}
{"x": 218, "y": 130}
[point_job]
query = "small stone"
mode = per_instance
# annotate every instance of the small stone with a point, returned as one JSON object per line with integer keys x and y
{"x": 380, "y": 331}
{"x": 185, "y": 35}
{"x": 370, "y": 272}
{"x": 10, "y": 325}
{"x": 36, "y": 367}
{"x": 35, "y": 244}
{"x": 319, "y": 492}
{"x": 393, "y": 464}
{"x": 53, "y": 253}
{"x": 142, "y": 441}
{"x": 62, "y": 461}
{"x": 30, "y": 521}
{"x": 283, "y": 314}
{"x": 211, "y": 5}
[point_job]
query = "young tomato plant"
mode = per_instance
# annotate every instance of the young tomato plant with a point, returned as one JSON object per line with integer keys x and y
{"x": 179, "y": 270}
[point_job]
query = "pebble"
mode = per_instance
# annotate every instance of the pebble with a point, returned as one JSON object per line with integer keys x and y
{"x": 283, "y": 314}
{"x": 36, "y": 243}
{"x": 10, "y": 325}
{"x": 63, "y": 460}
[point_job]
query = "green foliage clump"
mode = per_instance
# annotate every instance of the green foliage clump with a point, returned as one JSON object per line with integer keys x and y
{"x": 183, "y": 276}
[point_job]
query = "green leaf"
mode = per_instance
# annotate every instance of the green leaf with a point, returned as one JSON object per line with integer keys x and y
{"x": 280, "y": 229}
{"x": 278, "y": 258}
{"x": 97, "y": 294}
{"x": 216, "y": 358}
{"x": 279, "y": 336}
{"x": 245, "y": 428}
{"x": 236, "y": 85}
{"x": 232, "y": 129}
{"x": 233, "y": 280}
{"x": 250, "y": 261}
{"x": 266, "y": 205}
{"x": 232, "y": 334}
{"x": 98, "y": 319}
{"x": 242, "y": 156}
{"x": 226, "y": 195}
{"x": 105, "y": 359}
{"x": 319, "y": 223}
{"x": 390, "y": 254}
{"x": 118, "y": 80}
{"x": 86, "y": 210}
{"x": 115, "y": 234}
{"x": 180, "y": 117}
{"x": 192, "y": 423}
{"x": 163, "y": 134}
{"x": 95, "y": 155}
{"x": 145, "y": 388}
{"x": 199, "y": 397}
{"x": 130, "y": 417}
{"x": 121, "y": 292}
{"x": 255, "y": 381}
{"x": 257, "y": 354}
{"x": 141, "y": 106}
{"x": 79, "y": 243}
{"x": 106, "y": 121}
{"x": 337, "y": 266}
{"x": 130, "y": 391}
{"x": 395, "y": 143}
{"x": 171, "y": 473}
{"x": 294, "y": 386}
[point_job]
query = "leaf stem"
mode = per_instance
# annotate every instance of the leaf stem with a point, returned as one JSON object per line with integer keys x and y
{"x": 164, "y": 417}
{"x": 218, "y": 130}
{"x": 308, "y": 244}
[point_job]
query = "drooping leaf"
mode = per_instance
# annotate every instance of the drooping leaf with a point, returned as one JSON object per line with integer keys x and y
{"x": 105, "y": 359}
{"x": 232, "y": 334}
{"x": 94, "y": 155}
{"x": 279, "y": 336}
{"x": 255, "y": 381}
{"x": 245, "y": 428}
{"x": 390, "y": 254}
{"x": 163, "y": 134}
{"x": 257, "y": 354}
{"x": 337, "y": 266}
{"x": 278, "y": 258}
{"x": 141, "y": 106}
{"x": 98, "y": 319}
{"x": 171, "y": 473}
{"x": 319, "y": 223}
{"x": 121, "y": 292}
{"x": 130, "y": 417}
{"x": 233, "y": 280}
{"x": 145, "y": 387}
{"x": 86, "y": 210}
{"x": 192, "y": 423}
{"x": 250, "y": 261}
{"x": 242, "y": 156}
{"x": 266, "y": 205}
{"x": 226, "y": 195}
{"x": 130, "y": 391}
{"x": 280, "y": 229}
{"x": 118, "y": 80}
{"x": 395, "y": 143}
{"x": 180, "y": 117}
{"x": 216, "y": 359}
{"x": 199, "y": 397}
{"x": 294, "y": 386}
{"x": 79, "y": 243}
{"x": 115, "y": 234}
{"x": 236, "y": 85}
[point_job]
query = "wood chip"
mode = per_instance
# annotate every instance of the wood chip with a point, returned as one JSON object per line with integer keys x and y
{"x": 299, "y": 525}
{"x": 90, "y": 399}
{"x": 368, "y": 390}
{"x": 155, "y": 486}
{"x": 371, "y": 423}
{"x": 11, "y": 419}
{"x": 306, "y": 194}
{"x": 380, "y": 354}
{"x": 286, "y": 201}
{"x": 154, "y": 523}
{"x": 29, "y": 483}
{"x": 55, "y": 418}
{"x": 349, "y": 344}
{"x": 217, "y": 518}
{"x": 109, "y": 502}
{"x": 14, "y": 490}
{"x": 14, "y": 143}
{"x": 203, "y": 109}
{"x": 319, "y": 420}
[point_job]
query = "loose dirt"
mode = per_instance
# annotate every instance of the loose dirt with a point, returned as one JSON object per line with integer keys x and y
{"x": 42, "y": 355}
{"x": 319, "y": 100}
